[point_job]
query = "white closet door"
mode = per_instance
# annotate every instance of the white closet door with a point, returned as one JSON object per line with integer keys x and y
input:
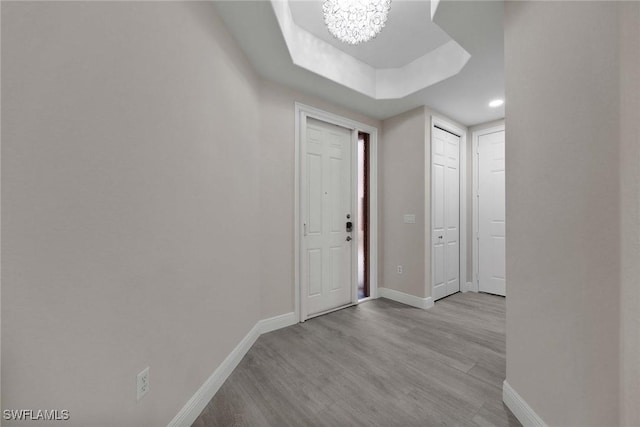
{"x": 445, "y": 236}
{"x": 326, "y": 208}
{"x": 491, "y": 214}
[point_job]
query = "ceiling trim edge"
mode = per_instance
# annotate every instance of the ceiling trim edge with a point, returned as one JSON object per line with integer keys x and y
{"x": 318, "y": 56}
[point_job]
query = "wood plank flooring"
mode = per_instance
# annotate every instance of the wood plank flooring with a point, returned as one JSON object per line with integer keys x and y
{"x": 380, "y": 363}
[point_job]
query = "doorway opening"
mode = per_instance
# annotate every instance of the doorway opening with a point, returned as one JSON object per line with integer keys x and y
{"x": 363, "y": 216}
{"x": 447, "y": 235}
{"x": 489, "y": 225}
{"x": 332, "y": 221}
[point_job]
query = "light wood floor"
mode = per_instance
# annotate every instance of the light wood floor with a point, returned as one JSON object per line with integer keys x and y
{"x": 378, "y": 364}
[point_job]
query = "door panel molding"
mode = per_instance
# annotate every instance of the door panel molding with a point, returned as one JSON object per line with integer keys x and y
{"x": 302, "y": 112}
{"x": 430, "y": 270}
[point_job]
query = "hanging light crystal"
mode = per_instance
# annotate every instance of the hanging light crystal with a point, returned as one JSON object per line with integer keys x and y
{"x": 355, "y": 21}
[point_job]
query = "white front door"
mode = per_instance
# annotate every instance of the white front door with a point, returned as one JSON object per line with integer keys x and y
{"x": 445, "y": 236}
{"x": 326, "y": 203}
{"x": 491, "y": 213}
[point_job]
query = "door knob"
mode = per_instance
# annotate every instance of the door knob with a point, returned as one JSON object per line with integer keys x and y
{"x": 439, "y": 237}
{"x": 348, "y": 238}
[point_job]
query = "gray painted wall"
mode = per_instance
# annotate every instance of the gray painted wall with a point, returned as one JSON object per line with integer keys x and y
{"x": 563, "y": 206}
{"x": 403, "y": 181}
{"x": 630, "y": 212}
{"x": 123, "y": 243}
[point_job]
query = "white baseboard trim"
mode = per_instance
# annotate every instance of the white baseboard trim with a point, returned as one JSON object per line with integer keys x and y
{"x": 192, "y": 409}
{"x": 407, "y": 299}
{"x": 520, "y": 408}
{"x": 277, "y": 322}
{"x": 469, "y": 287}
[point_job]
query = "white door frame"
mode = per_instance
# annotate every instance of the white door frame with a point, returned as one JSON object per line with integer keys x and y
{"x": 475, "y": 222}
{"x": 462, "y": 133}
{"x": 303, "y": 111}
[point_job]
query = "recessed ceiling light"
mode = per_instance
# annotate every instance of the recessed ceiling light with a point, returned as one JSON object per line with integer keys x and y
{"x": 496, "y": 103}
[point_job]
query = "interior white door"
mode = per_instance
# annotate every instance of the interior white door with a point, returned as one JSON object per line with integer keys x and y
{"x": 326, "y": 196}
{"x": 445, "y": 197}
{"x": 491, "y": 213}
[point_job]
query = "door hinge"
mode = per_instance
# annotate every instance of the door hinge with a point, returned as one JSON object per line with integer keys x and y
{"x": 304, "y": 229}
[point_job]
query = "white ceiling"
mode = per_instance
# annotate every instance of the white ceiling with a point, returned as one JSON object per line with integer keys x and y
{"x": 394, "y": 46}
{"x": 476, "y": 25}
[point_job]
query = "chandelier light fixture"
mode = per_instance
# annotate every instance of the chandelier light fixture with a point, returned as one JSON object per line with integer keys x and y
{"x": 355, "y": 21}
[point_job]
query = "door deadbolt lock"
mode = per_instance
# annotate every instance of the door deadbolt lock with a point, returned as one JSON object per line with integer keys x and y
{"x": 349, "y": 226}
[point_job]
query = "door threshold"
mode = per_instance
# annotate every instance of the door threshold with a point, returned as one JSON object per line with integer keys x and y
{"x": 447, "y": 296}
{"x": 322, "y": 313}
{"x": 492, "y": 294}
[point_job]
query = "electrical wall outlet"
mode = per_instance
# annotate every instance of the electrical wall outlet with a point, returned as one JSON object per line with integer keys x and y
{"x": 142, "y": 383}
{"x": 400, "y": 269}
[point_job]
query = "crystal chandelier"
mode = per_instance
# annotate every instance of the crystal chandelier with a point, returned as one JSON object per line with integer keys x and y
{"x": 355, "y": 21}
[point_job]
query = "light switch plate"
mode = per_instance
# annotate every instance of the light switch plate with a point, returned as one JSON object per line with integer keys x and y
{"x": 142, "y": 383}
